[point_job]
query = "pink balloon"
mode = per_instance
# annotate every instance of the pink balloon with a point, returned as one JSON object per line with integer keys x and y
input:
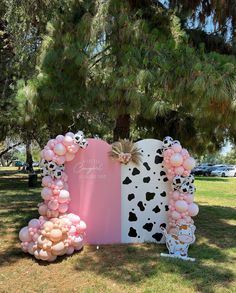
{"x": 43, "y": 210}
{"x": 48, "y": 155}
{"x": 60, "y": 149}
{"x": 175, "y": 195}
{"x": 53, "y": 205}
{"x": 82, "y": 226}
{"x": 34, "y": 223}
{"x": 179, "y": 170}
{"x": 186, "y": 173}
{"x": 51, "y": 143}
{"x": 46, "y": 193}
{"x": 71, "y": 134}
{"x": 69, "y": 157}
{"x": 176, "y": 147}
{"x": 68, "y": 140}
{"x": 56, "y": 191}
{"x": 73, "y": 218}
{"x": 70, "y": 250}
{"x": 189, "y": 198}
{"x": 78, "y": 243}
{"x": 52, "y": 214}
{"x": 181, "y": 206}
{"x": 47, "y": 180}
{"x": 188, "y": 219}
{"x": 30, "y": 248}
{"x": 61, "y": 160}
{"x": 24, "y": 235}
{"x": 35, "y": 237}
{"x": 189, "y": 163}
{"x": 59, "y": 183}
{"x": 63, "y": 207}
{"x": 175, "y": 215}
{"x": 176, "y": 160}
{"x": 60, "y": 138}
{"x": 74, "y": 148}
{"x": 193, "y": 209}
{"x": 184, "y": 152}
{"x": 72, "y": 230}
{"x": 64, "y": 196}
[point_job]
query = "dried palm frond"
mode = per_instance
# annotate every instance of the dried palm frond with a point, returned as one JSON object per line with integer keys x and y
{"x": 125, "y": 151}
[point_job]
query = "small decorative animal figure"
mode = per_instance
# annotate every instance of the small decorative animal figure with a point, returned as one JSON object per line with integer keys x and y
{"x": 178, "y": 243}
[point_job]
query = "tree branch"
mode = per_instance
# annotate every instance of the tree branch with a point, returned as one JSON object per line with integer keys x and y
{"x": 9, "y": 148}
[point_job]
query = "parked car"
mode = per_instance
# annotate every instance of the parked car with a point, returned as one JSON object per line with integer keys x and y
{"x": 208, "y": 171}
{"x": 201, "y": 169}
{"x": 225, "y": 172}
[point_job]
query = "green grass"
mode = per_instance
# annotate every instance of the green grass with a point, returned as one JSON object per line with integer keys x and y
{"x": 122, "y": 268}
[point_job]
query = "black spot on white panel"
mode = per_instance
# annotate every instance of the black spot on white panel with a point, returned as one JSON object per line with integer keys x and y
{"x": 166, "y": 208}
{"x": 146, "y": 179}
{"x": 158, "y": 160}
{"x": 162, "y": 173}
{"x": 131, "y": 196}
{"x": 159, "y": 151}
{"x": 148, "y": 227}
{"x": 163, "y": 194}
{"x": 135, "y": 171}
{"x": 156, "y": 209}
{"x": 157, "y": 236}
{"x": 141, "y": 206}
{"x": 127, "y": 180}
{"x": 132, "y": 217}
{"x": 132, "y": 232}
{"x": 165, "y": 179}
{"x": 163, "y": 225}
{"x": 146, "y": 166}
{"x": 150, "y": 195}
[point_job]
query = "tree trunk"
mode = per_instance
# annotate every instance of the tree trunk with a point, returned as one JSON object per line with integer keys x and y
{"x": 122, "y": 128}
{"x": 29, "y": 159}
{"x": 2, "y": 161}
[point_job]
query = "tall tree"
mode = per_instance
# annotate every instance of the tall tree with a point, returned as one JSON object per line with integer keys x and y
{"x": 132, "y": 63}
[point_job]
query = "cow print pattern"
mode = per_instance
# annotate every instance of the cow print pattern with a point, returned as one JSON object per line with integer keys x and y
{"x": 144, "y": 195}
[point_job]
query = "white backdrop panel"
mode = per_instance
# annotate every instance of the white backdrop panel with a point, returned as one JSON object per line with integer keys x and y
{"x": 144, "y": 191}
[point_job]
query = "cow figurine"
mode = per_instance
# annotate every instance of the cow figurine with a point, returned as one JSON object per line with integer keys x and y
{"x": 178, "y": 243}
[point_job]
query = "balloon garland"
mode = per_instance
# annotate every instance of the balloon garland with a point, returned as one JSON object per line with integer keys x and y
{"x": 179, "y": 164}
{"x": 55, "y": 232}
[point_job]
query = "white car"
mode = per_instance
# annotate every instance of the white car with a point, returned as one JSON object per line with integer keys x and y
{"x": 225, "y": 172}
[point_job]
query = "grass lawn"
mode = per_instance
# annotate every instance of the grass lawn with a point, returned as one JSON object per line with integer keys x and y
{"x": 122, "y": 268}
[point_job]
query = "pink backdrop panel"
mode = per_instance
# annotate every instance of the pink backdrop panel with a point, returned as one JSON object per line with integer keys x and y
{"x": 95, "y": 190}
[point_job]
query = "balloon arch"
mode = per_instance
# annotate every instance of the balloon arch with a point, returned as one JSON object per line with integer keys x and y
{"x": 58, "y": 231}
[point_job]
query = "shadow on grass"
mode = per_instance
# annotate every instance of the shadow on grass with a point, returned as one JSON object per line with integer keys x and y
{"x": 18, "y": 204}
{"x": 135, "y": 263}
{"x": 128, "y": 264}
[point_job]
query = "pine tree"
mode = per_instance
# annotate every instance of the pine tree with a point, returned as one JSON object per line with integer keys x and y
{"x": 131, "y": 63}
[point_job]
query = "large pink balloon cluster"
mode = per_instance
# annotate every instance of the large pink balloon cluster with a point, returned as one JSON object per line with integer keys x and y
{"x": 48, "y": 238}
{"x": 179, "y": 164}
{"x": 55, "y": 232}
